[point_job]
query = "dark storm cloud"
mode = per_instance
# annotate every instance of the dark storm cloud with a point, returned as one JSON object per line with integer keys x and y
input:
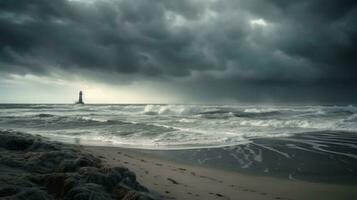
{"x": 127, "y": 37}
{"x": 308, "y": 46}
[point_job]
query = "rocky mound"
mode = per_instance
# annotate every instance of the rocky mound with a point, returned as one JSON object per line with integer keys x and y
{"x": 32, "y": 168}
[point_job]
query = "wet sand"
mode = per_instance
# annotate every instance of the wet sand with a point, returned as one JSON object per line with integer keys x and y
{"x": 175, "y": 180}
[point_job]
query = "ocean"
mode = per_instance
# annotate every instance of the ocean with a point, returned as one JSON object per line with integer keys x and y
{"x": 317, "y": 143}
{"x": 173, "y": 126}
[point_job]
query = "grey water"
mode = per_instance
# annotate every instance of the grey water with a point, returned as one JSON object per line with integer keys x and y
{"x": 173, "y": 126}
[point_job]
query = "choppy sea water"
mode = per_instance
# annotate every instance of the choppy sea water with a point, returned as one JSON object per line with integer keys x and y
{"x": 173, "y": 126}
{"x": 316, "y": 143}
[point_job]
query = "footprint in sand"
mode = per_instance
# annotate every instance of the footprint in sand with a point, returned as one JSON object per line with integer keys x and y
{"x": 247, "y": 189}
{"x": 172, "y": 181}
{"x": 219, "y": 195}
{"x": 158, "y": 164}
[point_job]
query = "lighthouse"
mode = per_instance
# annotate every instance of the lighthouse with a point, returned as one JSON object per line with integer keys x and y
{"x": 80, "y": 100}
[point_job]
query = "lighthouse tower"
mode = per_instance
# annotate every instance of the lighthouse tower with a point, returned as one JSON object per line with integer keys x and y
{"x": 80, "y": 100}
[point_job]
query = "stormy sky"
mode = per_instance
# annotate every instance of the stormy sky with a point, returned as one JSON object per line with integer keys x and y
{"x": 178, "y": 51}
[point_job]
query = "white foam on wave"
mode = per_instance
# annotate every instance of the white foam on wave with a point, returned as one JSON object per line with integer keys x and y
{"x": 187, "y": 120}
{"x": 260, "y": 110}
{"x": 170, "y": 109}
{"x": 278, "y": 123}
{"x": 94, "y": 119}
{"x": 176, "y": 126}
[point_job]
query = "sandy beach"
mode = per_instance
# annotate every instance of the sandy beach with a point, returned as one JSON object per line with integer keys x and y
{"x": 173, "y": 180}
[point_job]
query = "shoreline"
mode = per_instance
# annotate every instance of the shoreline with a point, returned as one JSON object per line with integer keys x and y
{"x": 34, "y": 167}
{"x": 176, "y": 180}
{"x": 312, "y": 157}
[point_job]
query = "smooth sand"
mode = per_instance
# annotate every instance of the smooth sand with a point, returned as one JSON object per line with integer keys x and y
{"x": 174, "y": 180}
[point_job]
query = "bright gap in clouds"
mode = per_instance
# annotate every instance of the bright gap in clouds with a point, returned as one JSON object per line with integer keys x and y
{"x": 35, "y": 89}
{"x": 258, "y": 22}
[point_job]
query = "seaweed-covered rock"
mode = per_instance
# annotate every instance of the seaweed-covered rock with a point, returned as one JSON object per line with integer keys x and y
{"x": 88, "y": 191}
{"x": 59, "y": 161}
{"x": 110, "y": 177}
{"x": 16, "y": 142}
{"x": 34, "y": 168}
{"x": 33, "y": 194}
{"x": 54, "y": 183}
{"x": 8, "y": 191}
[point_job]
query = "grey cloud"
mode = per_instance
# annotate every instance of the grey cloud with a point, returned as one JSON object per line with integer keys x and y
{"x": 306, "y": 45}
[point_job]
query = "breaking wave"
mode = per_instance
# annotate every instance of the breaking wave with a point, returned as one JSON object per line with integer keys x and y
{"x": 174, "y": 126}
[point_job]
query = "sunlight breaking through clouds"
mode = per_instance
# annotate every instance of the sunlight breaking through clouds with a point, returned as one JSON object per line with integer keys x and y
{"x": 258, "y": 23}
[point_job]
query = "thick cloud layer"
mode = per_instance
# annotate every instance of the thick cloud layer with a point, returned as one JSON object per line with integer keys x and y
{"x": 235, "y": 49}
